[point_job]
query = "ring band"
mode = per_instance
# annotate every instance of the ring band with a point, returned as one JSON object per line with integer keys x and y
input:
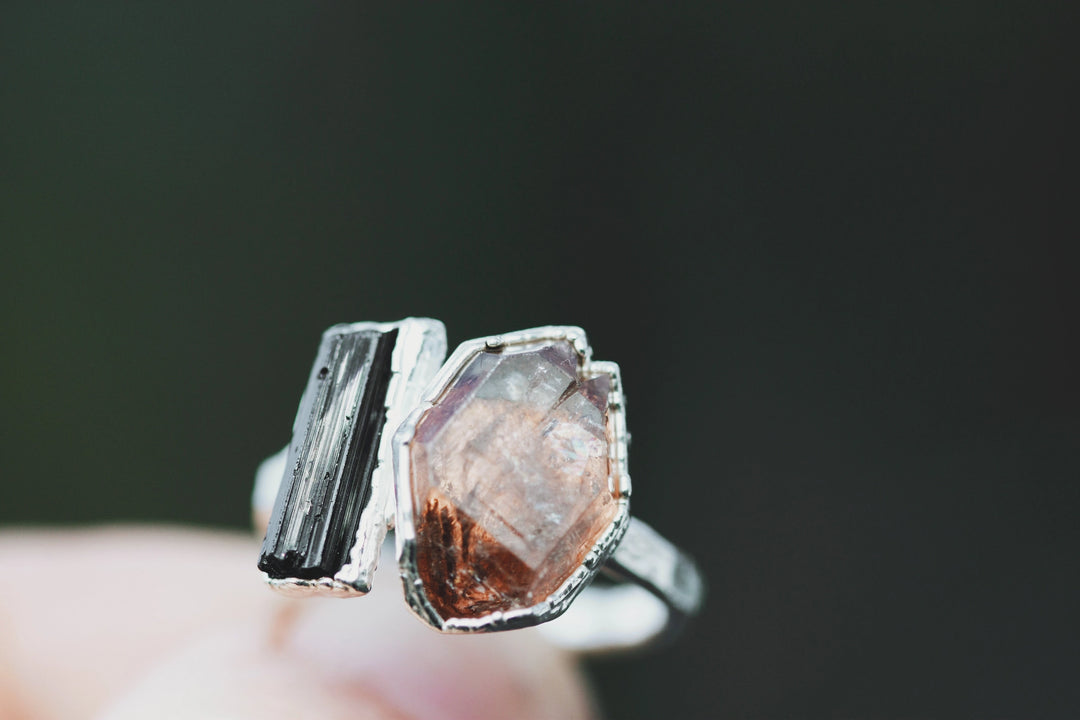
{"x": 511, "y": 490}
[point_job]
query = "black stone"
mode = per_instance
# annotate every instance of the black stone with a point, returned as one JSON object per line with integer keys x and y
{"x": 327, "y": 482}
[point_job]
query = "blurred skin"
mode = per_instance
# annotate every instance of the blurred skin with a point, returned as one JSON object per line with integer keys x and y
{"x": 122, "y": 623}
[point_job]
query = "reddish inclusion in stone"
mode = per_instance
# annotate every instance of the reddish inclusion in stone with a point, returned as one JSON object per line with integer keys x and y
{"x": 510, "y": 480}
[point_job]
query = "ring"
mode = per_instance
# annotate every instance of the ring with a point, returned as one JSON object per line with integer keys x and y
{"x": 511, "y": 493}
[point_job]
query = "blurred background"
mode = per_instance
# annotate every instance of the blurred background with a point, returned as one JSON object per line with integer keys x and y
{"x": 834, "y": 250}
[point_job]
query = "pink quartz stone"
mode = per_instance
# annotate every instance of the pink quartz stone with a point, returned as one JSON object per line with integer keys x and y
{"x": 510, "y": 480}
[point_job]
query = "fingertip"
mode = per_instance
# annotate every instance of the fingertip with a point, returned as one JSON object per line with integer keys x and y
{"x": 142, "y": 643}
{"x": 338, "y": 663}
{"x": 229, "y": 676}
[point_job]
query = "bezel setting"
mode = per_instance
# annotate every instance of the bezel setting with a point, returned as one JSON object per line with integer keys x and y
{"x": 618, "y": 479}
{"x": 418, "y": 352}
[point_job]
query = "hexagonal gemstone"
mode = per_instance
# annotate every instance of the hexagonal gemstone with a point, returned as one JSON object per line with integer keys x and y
{"x": 510, "y": 480}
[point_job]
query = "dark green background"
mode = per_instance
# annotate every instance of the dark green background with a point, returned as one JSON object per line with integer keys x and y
{"x": 833, "y": 249}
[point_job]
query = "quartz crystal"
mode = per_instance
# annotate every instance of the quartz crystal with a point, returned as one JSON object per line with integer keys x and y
{"x": 510, "y": 480}
{"x": 332, "y": 455}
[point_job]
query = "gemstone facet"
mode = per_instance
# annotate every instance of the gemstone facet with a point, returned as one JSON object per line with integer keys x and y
{"x": 511, "y": 479}
{"x": 331, "y": 458}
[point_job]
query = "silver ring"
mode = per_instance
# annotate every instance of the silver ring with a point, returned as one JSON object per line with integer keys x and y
{"x": 503, "y": 474}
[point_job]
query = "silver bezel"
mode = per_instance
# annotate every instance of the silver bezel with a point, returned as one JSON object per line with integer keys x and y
{"x": 418, "y": 352}
{"x": 405, "y": 531}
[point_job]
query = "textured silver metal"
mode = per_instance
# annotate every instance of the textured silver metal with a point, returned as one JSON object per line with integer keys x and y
{"x": 418, "y": 352}
{"x": 659, "y": 588}
{"x": 666, "y": 585}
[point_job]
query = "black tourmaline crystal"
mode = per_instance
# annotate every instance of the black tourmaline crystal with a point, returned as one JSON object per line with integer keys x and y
{"x": 333, "y": 452}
